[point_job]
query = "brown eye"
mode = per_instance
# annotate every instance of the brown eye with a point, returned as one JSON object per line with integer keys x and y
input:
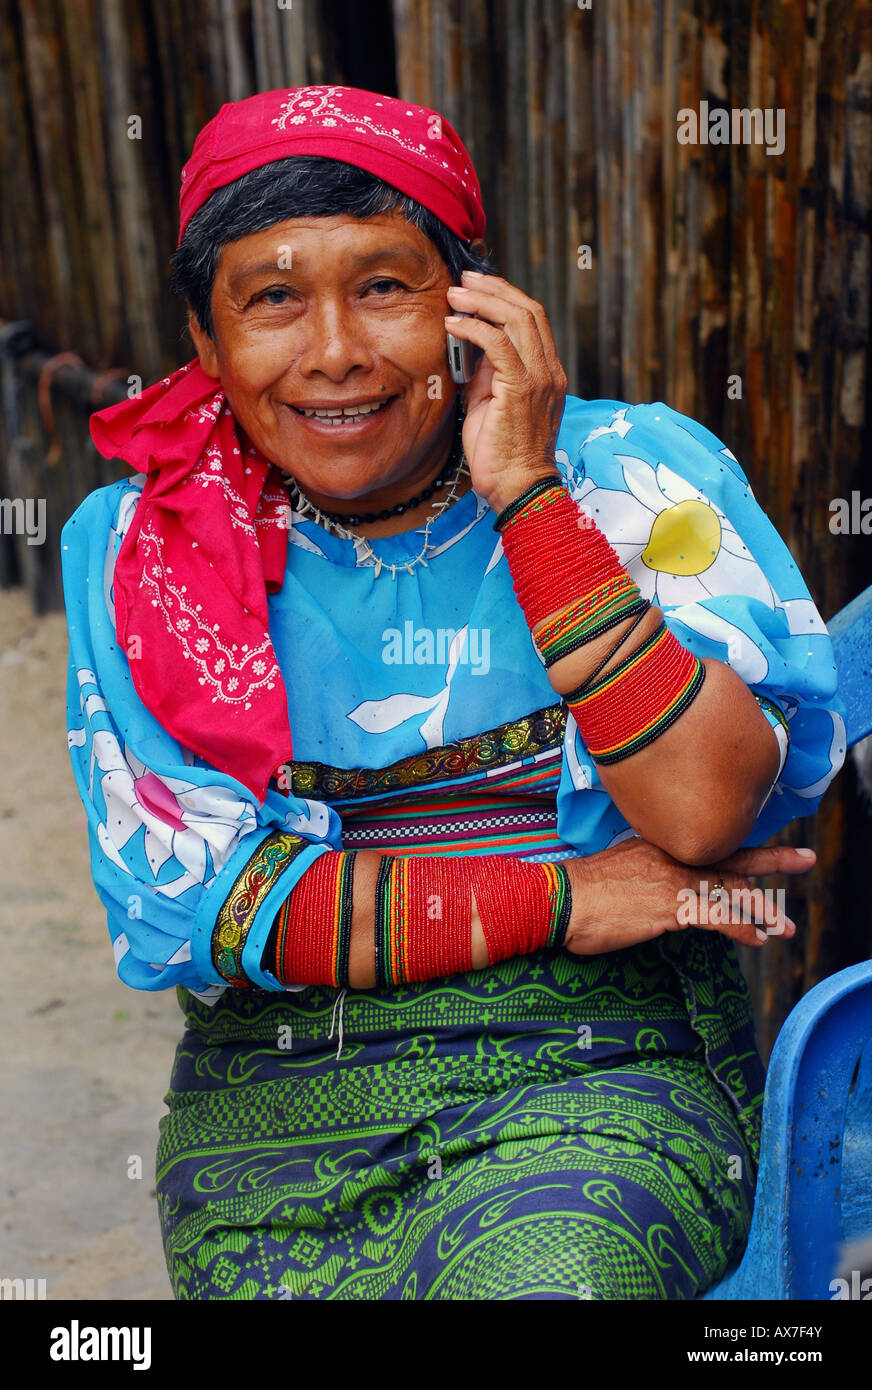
{"x": 276, "y": 290}
{"x": 385, "y": 286}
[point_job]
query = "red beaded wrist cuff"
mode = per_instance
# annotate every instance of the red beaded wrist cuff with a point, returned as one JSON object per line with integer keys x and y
{"x": 541, "y": 901}
{"x": 558, "y": 556}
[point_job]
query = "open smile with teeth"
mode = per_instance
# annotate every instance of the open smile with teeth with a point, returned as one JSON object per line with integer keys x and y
{"x": 342, "y": 415}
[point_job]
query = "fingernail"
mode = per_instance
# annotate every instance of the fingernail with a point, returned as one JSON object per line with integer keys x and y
{"x": 453, "y": 318}
{"x": 474, "y": 274}
{"x": 806, "y": 853}
{"x": 457, "y": 289}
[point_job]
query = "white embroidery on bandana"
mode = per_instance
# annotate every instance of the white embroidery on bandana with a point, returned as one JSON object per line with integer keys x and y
{"x": 207, "y": 411}
{"x": 237, "y": 675}
{"x": 321, "y": 106}
{"x": 273, "y": 507}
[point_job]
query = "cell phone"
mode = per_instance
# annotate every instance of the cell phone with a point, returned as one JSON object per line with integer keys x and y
{"x": 463, "y": 357}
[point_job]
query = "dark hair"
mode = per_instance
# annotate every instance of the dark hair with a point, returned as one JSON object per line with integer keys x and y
{"x": 301, "y": 186}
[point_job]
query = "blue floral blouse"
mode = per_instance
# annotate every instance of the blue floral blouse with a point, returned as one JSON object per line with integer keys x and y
{"x": 422, "y": 717}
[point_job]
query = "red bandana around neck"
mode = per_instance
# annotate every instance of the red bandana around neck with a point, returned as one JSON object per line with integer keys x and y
{"x": 208, "y": 540}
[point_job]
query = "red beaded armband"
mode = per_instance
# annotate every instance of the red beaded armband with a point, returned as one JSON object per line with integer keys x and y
{"x": 423, "y": 913}
{"x": 559, "y": 558}
{"x": 638, "y": 699}
{"x": 313, "y": 925}
{"x": 422, "y": 919}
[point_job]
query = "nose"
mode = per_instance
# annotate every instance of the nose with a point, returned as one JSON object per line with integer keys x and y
{"x": 335, "y": 343}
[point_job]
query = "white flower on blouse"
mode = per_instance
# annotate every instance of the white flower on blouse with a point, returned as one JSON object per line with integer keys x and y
{"x": 681, "y": 549}
{"x": 181, "y": 818}
{"x": 679, "y": 546}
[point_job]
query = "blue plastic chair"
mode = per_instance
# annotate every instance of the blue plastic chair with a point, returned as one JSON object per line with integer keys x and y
{"x": 851, "y": 631}
{"x": 815, "y": 1172}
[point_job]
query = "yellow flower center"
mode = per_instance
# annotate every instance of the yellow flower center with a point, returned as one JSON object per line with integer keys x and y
{"x": 685, "y": 539}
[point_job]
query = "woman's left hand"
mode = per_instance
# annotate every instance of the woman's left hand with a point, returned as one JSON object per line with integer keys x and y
{"x": 514, "y": 403}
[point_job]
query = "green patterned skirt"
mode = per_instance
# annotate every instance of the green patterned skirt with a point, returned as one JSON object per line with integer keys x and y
{"x": 553, "y": 1127}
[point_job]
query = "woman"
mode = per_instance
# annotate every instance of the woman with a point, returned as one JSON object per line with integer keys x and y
{"x": 394, "y": 769}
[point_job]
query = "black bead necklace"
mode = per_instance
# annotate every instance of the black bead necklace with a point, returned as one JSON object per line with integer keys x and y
{"x": 454, "y": 458}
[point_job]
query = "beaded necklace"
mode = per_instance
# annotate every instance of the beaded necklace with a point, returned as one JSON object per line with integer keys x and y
{"x": 364, "y": 551}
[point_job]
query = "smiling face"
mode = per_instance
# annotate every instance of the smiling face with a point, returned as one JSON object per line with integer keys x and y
{"x": 335, "y": 313}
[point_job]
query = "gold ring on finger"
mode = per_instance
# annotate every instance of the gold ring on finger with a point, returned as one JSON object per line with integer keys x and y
{"x": 717, "y": 891}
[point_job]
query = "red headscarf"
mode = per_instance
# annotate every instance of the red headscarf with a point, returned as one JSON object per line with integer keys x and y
{"x": 411, "y": 147}
{"x": 208, "y": 539}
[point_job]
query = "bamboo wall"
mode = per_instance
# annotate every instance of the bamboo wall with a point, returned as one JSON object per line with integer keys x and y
{"x": 91, "y": 215}
{"x": 708, "y": 261}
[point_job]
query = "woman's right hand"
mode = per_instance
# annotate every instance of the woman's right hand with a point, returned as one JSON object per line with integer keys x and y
{"x": 632, "y": 892}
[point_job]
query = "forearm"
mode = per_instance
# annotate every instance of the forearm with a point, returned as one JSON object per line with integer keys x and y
{"x": 680, "y": 744}
{"x": 370, "y": 920}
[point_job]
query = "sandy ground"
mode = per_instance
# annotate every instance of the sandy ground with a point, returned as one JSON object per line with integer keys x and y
{"x": 84, "y": 1061}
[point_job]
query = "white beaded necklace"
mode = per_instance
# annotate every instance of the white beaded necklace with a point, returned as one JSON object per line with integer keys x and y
{"x": 363, "y": 549}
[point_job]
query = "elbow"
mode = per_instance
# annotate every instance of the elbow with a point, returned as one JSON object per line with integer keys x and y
{"x": 708, "y": 839}
{"x": 697, "y": 853}
{"x": 697, "y": 847}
